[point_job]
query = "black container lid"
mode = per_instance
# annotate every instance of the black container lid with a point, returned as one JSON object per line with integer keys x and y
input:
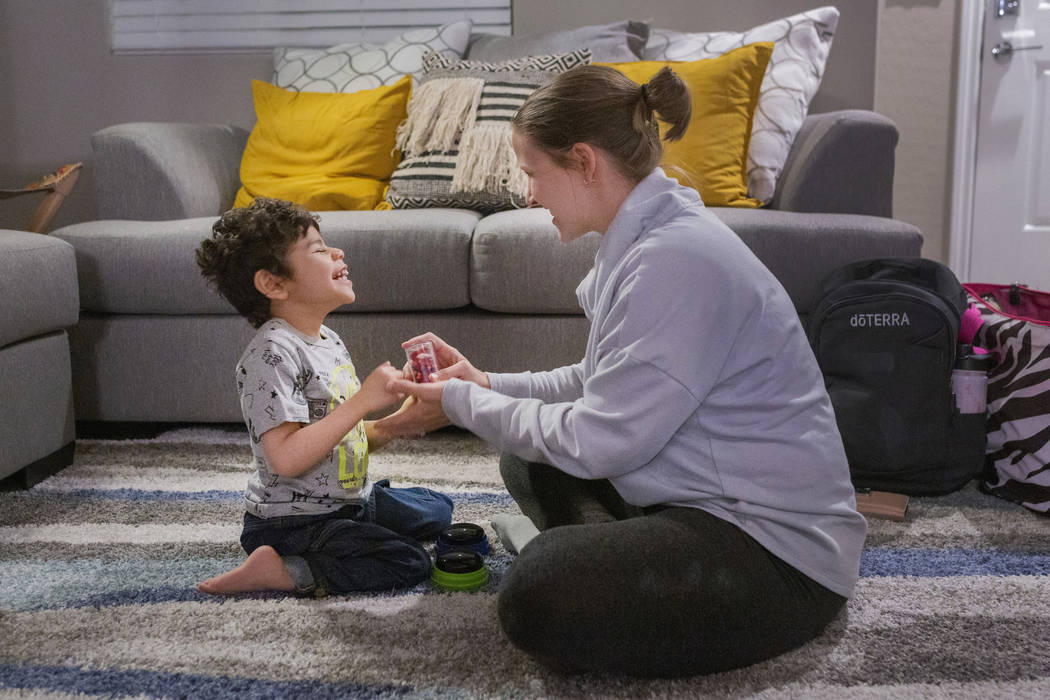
{"x": 459, "y": 561}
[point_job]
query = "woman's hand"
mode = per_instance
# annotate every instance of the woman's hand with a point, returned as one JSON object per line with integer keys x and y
{"x": 425, "y": 392}
{"x": 451, "y": 363}
{"x": 414, "y": 419}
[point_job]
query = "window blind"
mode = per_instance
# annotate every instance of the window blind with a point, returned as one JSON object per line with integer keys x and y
{"x": 229, "y": 26}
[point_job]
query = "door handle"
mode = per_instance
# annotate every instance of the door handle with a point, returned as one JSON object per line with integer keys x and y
{"x": 1004, "y": 49}
{"x": 1006, "y": 7}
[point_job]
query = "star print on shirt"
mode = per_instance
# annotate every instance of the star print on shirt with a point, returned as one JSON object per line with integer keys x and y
{"x": 321, "y": 479}
{"x": 271, "y": 358}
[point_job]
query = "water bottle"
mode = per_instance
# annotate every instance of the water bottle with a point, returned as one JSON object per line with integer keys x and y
{"x": 970, "y": 380}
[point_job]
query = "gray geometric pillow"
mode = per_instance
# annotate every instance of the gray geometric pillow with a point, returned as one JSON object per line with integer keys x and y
{"x": 363, "y": 66}
{"x": 615, "y": 42}
{"x": 800, "y": 50}
{"x": 455, "y": 142}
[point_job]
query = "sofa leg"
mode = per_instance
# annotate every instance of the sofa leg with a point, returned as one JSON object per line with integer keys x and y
{"x": 39, "y": 470}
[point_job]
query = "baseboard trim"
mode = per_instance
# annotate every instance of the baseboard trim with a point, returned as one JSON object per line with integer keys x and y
{"x": 120, "y": 430}
{"x": 34, "y": 473}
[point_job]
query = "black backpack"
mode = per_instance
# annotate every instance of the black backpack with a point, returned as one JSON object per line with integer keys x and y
{"x": 885, "y": 336}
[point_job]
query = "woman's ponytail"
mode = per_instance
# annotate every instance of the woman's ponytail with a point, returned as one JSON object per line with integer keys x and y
{"x": 667, "y": 95}
{"x": 600, "y": 106}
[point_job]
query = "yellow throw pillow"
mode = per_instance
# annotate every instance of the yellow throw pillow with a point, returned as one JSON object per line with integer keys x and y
{"x": 325, "y": 151}
{"x": 712, "y": 155}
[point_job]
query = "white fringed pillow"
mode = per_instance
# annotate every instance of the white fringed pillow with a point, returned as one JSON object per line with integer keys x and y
{"x": 455, "y": 142}
{"x": 363, "y": 66}
{"x": 800, "y": 50}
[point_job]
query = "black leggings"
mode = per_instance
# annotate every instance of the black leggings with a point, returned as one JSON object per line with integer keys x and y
{"x": 660, "y": 592}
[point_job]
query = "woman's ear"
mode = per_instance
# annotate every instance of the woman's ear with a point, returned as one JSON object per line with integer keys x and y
{"x": 586, "y": 161}
{"x": 270, "y": 285}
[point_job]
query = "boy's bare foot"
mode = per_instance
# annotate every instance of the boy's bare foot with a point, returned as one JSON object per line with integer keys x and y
{"x": 263, "y": 570}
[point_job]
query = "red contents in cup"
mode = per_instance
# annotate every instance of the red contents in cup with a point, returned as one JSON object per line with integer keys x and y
{"x": 423, "y": 361}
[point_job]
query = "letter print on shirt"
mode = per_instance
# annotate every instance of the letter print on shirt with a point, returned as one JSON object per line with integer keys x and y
{"x": 353, "y": 448}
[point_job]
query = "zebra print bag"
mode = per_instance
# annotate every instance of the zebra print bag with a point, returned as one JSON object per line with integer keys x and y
{"x": 1016, "y": 327}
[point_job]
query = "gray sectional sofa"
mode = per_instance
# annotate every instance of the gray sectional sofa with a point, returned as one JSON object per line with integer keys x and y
{"x": 38, "y": 302}
{"x": 154, "y": 343}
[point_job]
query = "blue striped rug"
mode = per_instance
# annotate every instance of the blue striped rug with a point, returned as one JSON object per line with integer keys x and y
{"x": 98, "y": 567}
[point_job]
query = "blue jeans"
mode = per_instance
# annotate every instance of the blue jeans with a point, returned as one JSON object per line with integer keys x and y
{"x": 370, "y": 547}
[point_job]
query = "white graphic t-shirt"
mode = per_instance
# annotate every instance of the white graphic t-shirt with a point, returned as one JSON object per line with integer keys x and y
{"x": 285, "y": 376}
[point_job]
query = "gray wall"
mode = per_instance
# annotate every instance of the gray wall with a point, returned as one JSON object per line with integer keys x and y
{"x": 59, "y": 83}
{"x": 849, "y": 81}
{"x": 914, "y": 86}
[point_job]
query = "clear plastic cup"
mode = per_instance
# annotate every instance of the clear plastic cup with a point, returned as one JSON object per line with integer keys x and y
{"x": 422, "y": 359}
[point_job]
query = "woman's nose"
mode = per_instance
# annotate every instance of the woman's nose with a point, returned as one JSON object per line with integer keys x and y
{"x": 337, "y": 254}
{"x": 530, "y": 201}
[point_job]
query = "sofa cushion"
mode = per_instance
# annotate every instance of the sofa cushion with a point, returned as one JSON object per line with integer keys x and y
{"x": 323, "y": 151}
{"x": 619, "y": 41}
{"x": 38, "y": 283}
{"x": 456, "y": 139}
{"x": 801, "y": 46}
{"x": 360, "y": 66}
{"x": 399, "y": 261}
{"x": 711, "y": 156}
{"x": 518, "y": 265}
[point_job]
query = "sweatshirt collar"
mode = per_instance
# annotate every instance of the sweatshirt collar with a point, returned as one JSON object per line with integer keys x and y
{"x": 653, "y": 201}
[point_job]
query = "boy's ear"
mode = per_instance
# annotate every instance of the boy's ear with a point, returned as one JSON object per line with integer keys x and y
{"x": 270, "y": 285}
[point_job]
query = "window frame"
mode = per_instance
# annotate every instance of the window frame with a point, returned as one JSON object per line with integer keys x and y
{"x": 259, "y": 26}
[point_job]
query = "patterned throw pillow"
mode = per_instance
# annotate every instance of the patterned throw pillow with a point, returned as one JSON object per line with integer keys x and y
{"x": 353, "y": 67}
{"x": 800, "y": 50}
{"x": 618, "y": 41}
{"x": 455, "y": 141}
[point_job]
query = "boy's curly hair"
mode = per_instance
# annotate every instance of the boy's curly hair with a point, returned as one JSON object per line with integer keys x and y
{"x": 248, "y": 239}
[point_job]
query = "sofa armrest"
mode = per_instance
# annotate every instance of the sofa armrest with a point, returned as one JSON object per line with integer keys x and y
{"x": 164, "y": 171}
{"x": 801, "y": 249}
{"x": 841, "y": 162}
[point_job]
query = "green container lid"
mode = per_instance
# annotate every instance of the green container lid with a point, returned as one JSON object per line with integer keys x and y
{"x": 459, "y": 570}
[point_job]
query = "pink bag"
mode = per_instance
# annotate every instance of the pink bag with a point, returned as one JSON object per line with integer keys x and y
{"x": 1016, "y": 328}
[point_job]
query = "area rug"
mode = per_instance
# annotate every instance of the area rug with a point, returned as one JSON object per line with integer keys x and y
{"x": 98, "y": 567}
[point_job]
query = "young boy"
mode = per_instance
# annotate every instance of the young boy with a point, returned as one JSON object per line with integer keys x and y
{"x": 314, "y": 522}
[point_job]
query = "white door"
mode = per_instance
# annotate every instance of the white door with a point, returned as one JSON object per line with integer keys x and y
{"x": 1011, "y": 207}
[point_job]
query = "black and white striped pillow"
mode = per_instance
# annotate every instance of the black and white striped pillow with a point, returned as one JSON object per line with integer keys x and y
{"x": 425, "y": 178}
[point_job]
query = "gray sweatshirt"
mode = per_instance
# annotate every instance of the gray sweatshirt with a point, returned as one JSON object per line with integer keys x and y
{"x": 698, "y": 388}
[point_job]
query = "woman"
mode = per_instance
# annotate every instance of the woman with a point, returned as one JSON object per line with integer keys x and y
{"x": 687, "y": 476}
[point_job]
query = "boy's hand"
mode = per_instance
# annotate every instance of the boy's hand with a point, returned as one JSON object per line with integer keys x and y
{"x": 375, "y": 391}
{"x": 451, "y": 362}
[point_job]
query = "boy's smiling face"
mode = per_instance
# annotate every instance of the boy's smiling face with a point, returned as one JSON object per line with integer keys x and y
{"x": 319, "y": 276}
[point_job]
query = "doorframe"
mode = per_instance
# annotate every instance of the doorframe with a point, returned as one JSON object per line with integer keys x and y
{"x": 964, "y": 158}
